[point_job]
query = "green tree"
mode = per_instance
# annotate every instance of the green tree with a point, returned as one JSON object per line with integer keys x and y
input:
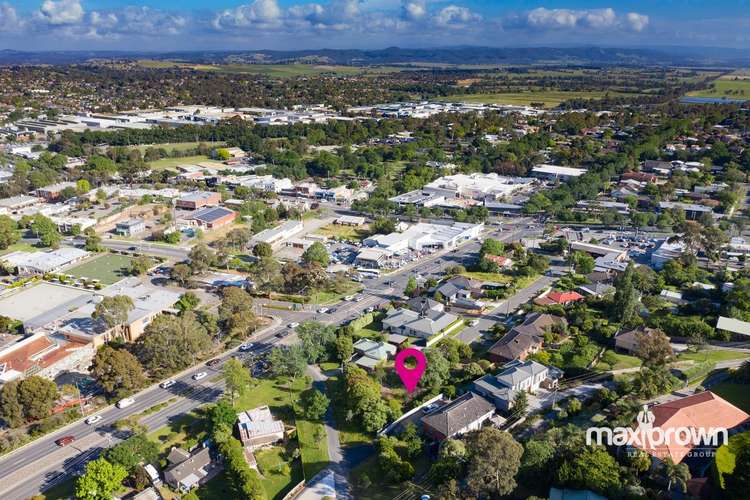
{"x": 140, "y": 265}
{"x": 82, "y": 187}
{"x": 676, "y": 475}
{"x": 383, "y": 225}
{"x": 411, "y": 287}
{"x": 290, "y": 361}
{"x": 582, "y": 262}
{"x": 36, "y": 395}
{"x": 188, "y": 301}
{"x": 437, "y": 372}
{"x": 93, "y": 242}
{"x": 590, "y": 469}
{"x": 317, "y": 340}
{"x": 314, "y": 404}
{"x": 11, "y": 410}
{"x": 494, "y": 460}
{"x": 520, "y": 404}
{"x": 137, "y": 449}
{"x": 237, "y": 378}
{"x": 491, "y": 246}
{"x": 738, "y": 482}
{"x": 625, "y": 301}
{"x": 316, "y": 254}
{"x": 8, "y": 232}
{"x": 236, "y": 311}
{"x": 100, "y": 480}
{"x": 170, "y": 344}
{"x": 262, "y": 250}
{"x": 201, "y": 258}
{"x": 653, "y": 347}
{"x": 46, "y": 230}
{"x": 114, "y": 310}
{"x": 117, "y": 371}
{"x": 181, "y": 273}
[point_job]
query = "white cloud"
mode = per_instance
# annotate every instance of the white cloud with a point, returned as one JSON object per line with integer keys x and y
{"x": 456, "y": 16}
{"x": 637, "y": 22}
{"x": 261, "y": 13}
{"x": 60, "y": 13}
{"x": 413, "y": 10}
{"x": 542, "y": 19}
{"x": 9, "y": 20}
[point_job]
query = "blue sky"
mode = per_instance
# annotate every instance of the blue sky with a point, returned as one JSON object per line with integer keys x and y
{"x": 298, "y": 24}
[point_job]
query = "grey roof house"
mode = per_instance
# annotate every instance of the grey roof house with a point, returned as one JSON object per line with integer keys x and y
{"x": 413, "y": 324}
{"x": 372, "y": 353}
{"x": 188, "y": 471}
{"x": 465, "y": 414}
{"x": 517, "y": 376}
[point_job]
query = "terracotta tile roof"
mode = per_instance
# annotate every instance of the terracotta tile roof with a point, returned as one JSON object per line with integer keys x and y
{"x": 558, "y": 298}
{"x": 41, "y": 352}
{"x": 704, "y": 410}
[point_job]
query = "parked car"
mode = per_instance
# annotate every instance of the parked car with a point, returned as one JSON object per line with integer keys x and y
{"x": 93, "y": 419}
{"x": 65, "y": 440}
{"x": 292, "y": 325}
{"x": 200, "y": 376}
{"x": 124, "y": 403}
{"x": 474, "y": 322}
{"x": 167, "y": 384}
{"x": 246, "y": 347}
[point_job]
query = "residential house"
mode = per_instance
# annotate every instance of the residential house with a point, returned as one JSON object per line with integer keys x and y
{"x": 466, "y": 413}
{"x": 734, "y": 326}
{"x": 554, "y": 297}
{"x": 423, "y": 305}
{"x": 502, "y": 261}
{"x": 186, "y": 470}
{"x": 372, "y": 353}
{"x": 258, "y": 428}
{"x": 414, "y": 324}
{"x": 517, "y": 376}
{"x": 673, "y": 297}
{"x": 462, "y": 292}
{"x": 700, "y": 413}
{"x": 629, "y": 340}
{"x": 526, "y": 338}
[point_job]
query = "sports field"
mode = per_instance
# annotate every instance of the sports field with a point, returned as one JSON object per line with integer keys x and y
{"x": 175, "y": 162}
{"x": 108, "y": 268}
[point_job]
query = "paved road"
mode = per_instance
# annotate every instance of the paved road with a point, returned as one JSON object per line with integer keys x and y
{"x": 42, "y": 464}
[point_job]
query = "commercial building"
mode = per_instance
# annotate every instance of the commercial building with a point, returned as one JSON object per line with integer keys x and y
{"x": 26, "y": 263}
{"x": 45, "y": 356}
{"x": 12, "y": 205}
{"x": 278, "y": 234}
{"x": 212, "y": 217}
{"x": 130, "y": 227}
{"x": 52, "y": 193}
{"x": 426, "y": 235}
{"x": 555, "y": 172}
{"x": 198, "y": 199}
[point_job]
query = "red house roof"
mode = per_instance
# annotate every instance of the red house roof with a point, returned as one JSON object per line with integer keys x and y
{"x": 561, "y": 298}
{"x": 704, "y": 410}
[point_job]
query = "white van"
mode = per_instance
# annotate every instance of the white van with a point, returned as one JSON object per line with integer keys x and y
{"x": 124, "y": 403}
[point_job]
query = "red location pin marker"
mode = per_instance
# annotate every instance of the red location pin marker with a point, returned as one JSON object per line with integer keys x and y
{"x": 410, "y": 376}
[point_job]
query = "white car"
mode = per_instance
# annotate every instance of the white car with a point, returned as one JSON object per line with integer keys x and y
{"x": 93, "y": 419}
{"x": 349, "y": 298}
{"x": 200, "y": 376}
{"x": 322, "y": 310}
{"x": 124, "y": 403}
{"x": 474, "y": 322}
{"x": 167, "y": 383}
{"x": 292, "y": 325}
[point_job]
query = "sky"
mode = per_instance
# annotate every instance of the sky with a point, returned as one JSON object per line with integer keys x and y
{"x": 167, "y": 25}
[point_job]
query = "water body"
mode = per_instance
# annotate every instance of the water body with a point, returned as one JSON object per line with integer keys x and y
{"x": 710, "y": 100}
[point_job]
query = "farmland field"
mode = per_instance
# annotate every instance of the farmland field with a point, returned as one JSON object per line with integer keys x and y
{"x": 548, "y": 98}
{"x": 733, "y": 86}
{"x": 274, "y": 70}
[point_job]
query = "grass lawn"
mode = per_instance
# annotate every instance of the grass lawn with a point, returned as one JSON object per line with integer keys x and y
{"x": 737, "y": 394}
{"x": 313, "y": 448}
{"x": 186, "y": 431}
{"x": 330, "y": 297}
{"x": 175, "y": 162}
{"x": 623, "y": 361}
{"x": 715, "y": 355}
{"x": 549, "y": 98}
{"x": 108, "y": 268}
{"x": 492, "y": 277}
{"x": 19, "y": 247}
{"x": 349, "y": 432}
{"x": 339, "y": 231}
{"x": 278, "y": 474}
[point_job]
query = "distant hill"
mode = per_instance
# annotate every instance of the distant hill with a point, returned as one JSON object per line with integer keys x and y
{"x": 397, "y": 55}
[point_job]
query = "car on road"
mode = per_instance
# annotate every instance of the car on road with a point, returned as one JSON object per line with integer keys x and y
{"x": 369, "y": 309}
{"x": 213, "y": 362}
{"x": 246, "y": 347}
{"x": 200, "y": 376}
{"x": 167, "y": 384}
{"x": 349, "y": 298}
{"x": 359, "y": 298}
{"x": 323, "y": 310}
{"x": 93, "y": 419}
{"x": 474, "y": 322}
{"x": 65, "y": 440}
{"x": 124, "y": 403}
{"x": 294, "y": 324}
{"x": 332, "y": 310}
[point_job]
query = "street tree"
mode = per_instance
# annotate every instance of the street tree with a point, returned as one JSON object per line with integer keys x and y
{"x": 201, "y": 258}
{"x": 170, "y": 344}
{"x": 113, "y": 311}
{"x": 100, "y": 480}
{"x": 237, "y": 378}
{"x": 117, "y": 371}
{"x": 93, "y": 242}
{"x": 140, "y": 265}
{"x": 317, "y": 340}
{"x": 411, "y": 287}
{"x": 181, "y": 273}
{"x": 135, "y": 450}
{"x": 236, "y": 312}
